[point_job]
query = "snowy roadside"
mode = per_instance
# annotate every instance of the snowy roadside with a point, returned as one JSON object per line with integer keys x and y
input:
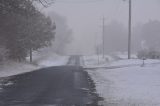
{"x": 114, "y": 61}
{"x": 96, "y": 61}
{"x": 54, "y": 60}
{"x": 129, "y": 86}
{"x": 10, "y": 68}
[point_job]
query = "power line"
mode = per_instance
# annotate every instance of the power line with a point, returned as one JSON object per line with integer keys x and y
{"x": 78, "y": 1}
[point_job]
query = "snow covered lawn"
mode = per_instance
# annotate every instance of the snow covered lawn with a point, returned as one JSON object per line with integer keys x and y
{"x": 129, "y": 86}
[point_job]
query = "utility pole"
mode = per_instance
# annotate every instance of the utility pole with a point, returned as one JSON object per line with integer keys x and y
{"x": 97, "y": 48}
{"x": 30, "y": 46}
{"x": 129, "y": 29}
{"x": 103, "y": 31}
{"x": 30, "y": 54}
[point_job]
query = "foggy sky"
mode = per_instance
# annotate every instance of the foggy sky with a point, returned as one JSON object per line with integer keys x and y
{"x": 85, "y": 19}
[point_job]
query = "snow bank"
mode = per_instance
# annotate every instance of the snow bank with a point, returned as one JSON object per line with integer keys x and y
{"x": 52, "y": 61}
{"x": 120, "y": 60}
{"x": 41, "y": 59}
{"x": 129, "y": 86}
{"x": 46, "y": 58}
{"x": 121, "y": 55}
{"x": 96, "y": 61}
{"x": 10, "y": 68}
{"x": 133, "y": 62}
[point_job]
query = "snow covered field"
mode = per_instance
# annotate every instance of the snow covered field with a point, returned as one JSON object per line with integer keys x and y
{"x": 128, "y": 86}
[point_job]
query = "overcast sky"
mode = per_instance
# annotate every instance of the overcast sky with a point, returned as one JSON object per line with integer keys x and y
{"x": 85, "y": 18}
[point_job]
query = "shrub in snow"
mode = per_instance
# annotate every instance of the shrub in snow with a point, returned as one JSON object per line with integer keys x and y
{"x": 154, "y": 54}
{"x": 150, "y": 54}
{"x": 142, "y": 54}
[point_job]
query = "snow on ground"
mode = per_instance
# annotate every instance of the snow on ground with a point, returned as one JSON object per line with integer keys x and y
{"x": 94, "y": 61}
{"x": 133, "y": 62}
{"x": 124, "y": 55}
{"x": 41, "y": 59}
{"x": 128, "y": 86}
{"x": 10, "y": 68}
{"x": 46, "y": 57}
{"x": 52, "y": 60}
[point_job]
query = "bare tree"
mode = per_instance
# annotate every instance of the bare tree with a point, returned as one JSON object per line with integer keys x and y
{"x": 45, "y": 3}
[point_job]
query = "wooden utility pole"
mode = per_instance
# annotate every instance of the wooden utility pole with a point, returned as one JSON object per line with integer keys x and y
{"x": 97, "y": 47}
{"x": 30, "y": 55}
{"x": 129, "y": 29}
{"x": 103, "y": 31}
{"x": 30, "y": 46}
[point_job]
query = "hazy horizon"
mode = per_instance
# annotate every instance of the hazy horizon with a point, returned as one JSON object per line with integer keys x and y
{"x": 85, "y": 18}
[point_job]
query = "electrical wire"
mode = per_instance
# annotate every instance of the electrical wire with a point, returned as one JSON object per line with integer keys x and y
{"x": 78, "y": 1}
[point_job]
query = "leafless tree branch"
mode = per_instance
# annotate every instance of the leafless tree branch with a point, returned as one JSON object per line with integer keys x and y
{"x": 46, "y": 3}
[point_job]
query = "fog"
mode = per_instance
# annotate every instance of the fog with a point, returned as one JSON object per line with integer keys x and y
{"x": 85, "y": 20}
{"x": 142, "y": 35}
{"x": 115, "y": 37}
{"x": 63, "y": 34}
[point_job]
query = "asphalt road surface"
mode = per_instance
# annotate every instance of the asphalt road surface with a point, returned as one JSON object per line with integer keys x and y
{"x": 66, "y": 85}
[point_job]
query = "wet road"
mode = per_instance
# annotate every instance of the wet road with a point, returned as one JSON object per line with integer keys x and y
{"x": 66, "y": 85}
